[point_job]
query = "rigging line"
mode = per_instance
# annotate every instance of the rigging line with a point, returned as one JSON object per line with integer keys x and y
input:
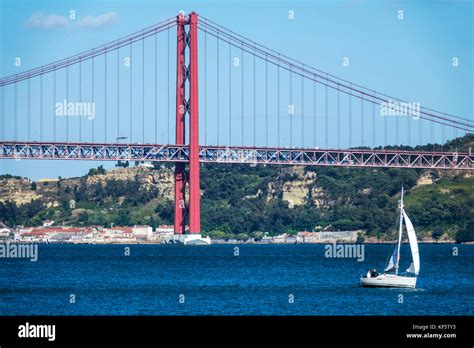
{"x": 320, "y": 71}
{"x": 86, "y": 55}
{"x": 346, "y": 87}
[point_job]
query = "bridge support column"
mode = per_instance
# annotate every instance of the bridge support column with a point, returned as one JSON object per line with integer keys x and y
{"x": 179, "y": 171}
{"x": 187, "y": 42}
{"x": 194, "y": 191}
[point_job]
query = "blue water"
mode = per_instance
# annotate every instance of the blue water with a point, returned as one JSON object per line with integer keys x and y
{"x": 215, "y": 282}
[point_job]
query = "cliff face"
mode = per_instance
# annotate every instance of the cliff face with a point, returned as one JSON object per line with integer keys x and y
{"x": 296, "y": 187}
{"x": 161, "y": 180}
{"x": 18, "y": 191}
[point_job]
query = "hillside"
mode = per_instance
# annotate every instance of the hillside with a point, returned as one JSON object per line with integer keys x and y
{"x": 240, "y": 200}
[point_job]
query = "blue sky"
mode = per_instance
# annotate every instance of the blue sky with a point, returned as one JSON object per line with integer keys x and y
{"x": 409, "y": 58}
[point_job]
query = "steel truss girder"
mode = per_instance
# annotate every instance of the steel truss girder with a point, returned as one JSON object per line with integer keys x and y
{"x": 232, "y": 154}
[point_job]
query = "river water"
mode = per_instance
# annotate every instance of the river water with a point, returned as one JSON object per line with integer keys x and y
{"x": 223, "y": 280}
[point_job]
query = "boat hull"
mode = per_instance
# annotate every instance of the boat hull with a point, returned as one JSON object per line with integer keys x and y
{"x": 389, "y": 281}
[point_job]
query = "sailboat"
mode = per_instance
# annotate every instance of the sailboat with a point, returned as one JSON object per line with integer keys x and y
{"x": 391, "y": 277}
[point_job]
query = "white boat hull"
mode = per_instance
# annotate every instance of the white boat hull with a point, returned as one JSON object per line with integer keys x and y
{"x": 389, "y": 281}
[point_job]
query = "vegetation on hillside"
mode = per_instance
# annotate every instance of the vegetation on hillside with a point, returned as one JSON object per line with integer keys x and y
{"x": 240, "y": 200}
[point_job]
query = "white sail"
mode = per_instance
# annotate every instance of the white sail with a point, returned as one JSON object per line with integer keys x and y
{"x": 393, "y": 259}
{"x": 415, "y": 266}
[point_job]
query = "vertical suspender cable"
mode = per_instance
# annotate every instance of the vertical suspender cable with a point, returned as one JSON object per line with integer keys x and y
{"x": 29, "y": 110}
{"x": 362, "y": 126}
{"x": 41, "y": 106}
{"x": 242, "y": 97}
{"x": 373, "y": 123}
{"x": 217, "y": 89}
{"x": 54, "y": 102}
{"x": 156, "y": 89}
{"x": 292, "y": 108}
{"x": 254, "y": 100}
{"x": 93, "y": 99}
{"x": 385, "y": 130}
{"x": 266, "y": 100}
{"x": 130, "y": 92}
{"x": 2, "y": 124}
{"x": 143, "y": 90}
{"x": 105, "y": 96}
{"x": 118, "y": 94}
{"x": 80, "y": 98}
{"x": 326, "y": 116}
{"x": 168, "y": 89}
{"x": 315, "y": 141}
{"x": 278, "y": 100}
{"x": 302, "y": 110}
{"x": 205, "y": 87}
{"x": 15, "y": 120}
{"x": 230, "y": 94}
{"x": 350, "y": 118}
{"x": 338, "y": 118}
{"x": 67, "y": 98}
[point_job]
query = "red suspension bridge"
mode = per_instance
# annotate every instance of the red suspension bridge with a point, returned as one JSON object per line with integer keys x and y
{"x": 257, "y": 106}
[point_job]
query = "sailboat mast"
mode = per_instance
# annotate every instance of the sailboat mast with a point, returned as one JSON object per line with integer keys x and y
{"x": 399, "y": 233}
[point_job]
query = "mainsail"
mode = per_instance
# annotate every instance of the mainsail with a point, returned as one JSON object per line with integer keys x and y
{"x": 415, "y": 265}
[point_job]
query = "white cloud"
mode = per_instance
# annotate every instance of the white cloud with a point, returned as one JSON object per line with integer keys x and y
{"x": 98, "y": 21}
{"x": 46, "y": 21}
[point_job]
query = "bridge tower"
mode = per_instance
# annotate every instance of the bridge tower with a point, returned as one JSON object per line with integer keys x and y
{"x": 187, "y": 106}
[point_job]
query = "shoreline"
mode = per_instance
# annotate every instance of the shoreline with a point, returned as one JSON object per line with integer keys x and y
{"x": 235, "y": 243}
